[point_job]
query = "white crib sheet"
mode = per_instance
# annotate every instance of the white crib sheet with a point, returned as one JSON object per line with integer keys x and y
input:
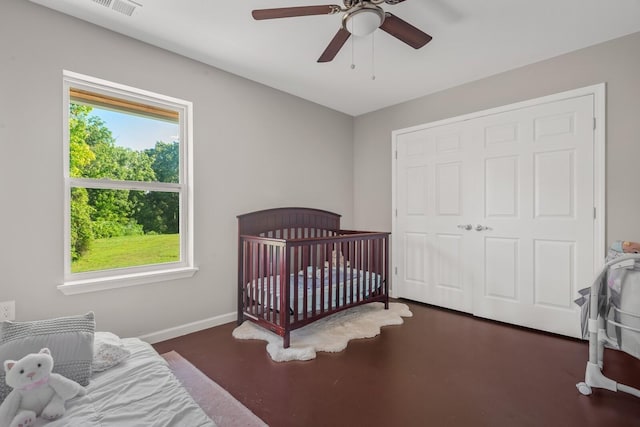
{"x": 342, "y": 292}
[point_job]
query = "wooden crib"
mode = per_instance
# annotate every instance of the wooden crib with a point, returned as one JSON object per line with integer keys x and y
{"x": 295, "y": 266}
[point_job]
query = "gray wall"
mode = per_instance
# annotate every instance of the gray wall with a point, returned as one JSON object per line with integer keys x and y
{"x": 253, "y": 148}
{"x": 617, "y": 63}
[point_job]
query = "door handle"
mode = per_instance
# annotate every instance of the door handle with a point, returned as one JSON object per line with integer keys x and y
{"x": 465, "y": 226}
{"x": 480, "y": 227}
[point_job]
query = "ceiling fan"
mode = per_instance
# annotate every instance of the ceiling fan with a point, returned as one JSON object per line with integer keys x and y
{"x": 361, "y": 17}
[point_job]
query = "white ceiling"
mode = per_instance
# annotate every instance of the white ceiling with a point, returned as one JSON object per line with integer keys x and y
{"x": 471, "y": 39}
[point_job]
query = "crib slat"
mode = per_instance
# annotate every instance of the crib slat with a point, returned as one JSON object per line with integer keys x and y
{"x": 270, "y": 280}
{"x": 334, "y": 279}
{"x": 353, "y": 271}
{"x": 354, "y": 280}
{"x": 387, "y": 273}
{"x": 378, "y": 269}
{"x": 305, "y": 281}
{"x": 260, "y": 274}
{"x": 246, "y": 294}
{"x": 323, "y": 256}
{"x": 314, "y": 264}
{"x": 283, "y": 303}
{"x": 296, "y": 283}
{"x": 251, "y": 277}
{"x": 361, "y": 244}
{"x": 366, "y": 291}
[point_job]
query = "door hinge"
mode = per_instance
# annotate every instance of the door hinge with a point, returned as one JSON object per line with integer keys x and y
{"x": 395, "y": 269}
{"x": 594, "y": 213}
{"x": 594, "y": 123}
{"x": 396, "y": 212}
{"x": 396, "y": 154}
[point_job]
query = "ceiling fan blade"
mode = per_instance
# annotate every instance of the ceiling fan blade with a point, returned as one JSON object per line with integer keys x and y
{"x": 404, "y": 31}
{"x": 290, "y": 12}
{"x": 335, "y": 45}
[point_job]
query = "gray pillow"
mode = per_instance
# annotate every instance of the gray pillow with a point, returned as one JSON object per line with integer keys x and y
{"x": 70, "y": 340}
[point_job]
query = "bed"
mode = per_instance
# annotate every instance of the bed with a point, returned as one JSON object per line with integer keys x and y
{"x": 127, "y": 382}
{"x": 139, "y": 391}
{"x": 325, "y": 269}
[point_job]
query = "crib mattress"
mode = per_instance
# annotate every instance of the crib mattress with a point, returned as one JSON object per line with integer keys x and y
{"x": 141, "y": 391}
{"x": 342, "y": 292}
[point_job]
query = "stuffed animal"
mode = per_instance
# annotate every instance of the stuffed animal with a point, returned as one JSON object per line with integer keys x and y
{"x": 36, "y": 390}
{"x": 626, "y": 247}
{"x": 631, "y": 247}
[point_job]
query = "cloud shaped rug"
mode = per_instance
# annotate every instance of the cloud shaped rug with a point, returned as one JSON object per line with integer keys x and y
{"x": 330, "y": 334}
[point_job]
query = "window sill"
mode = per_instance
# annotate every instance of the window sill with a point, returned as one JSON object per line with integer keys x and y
{"x": 94, "y": 285}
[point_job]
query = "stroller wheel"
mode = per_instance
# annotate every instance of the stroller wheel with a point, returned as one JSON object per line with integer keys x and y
{"x": 584, "y": 388}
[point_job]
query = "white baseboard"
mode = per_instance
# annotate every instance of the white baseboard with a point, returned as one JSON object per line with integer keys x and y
{"x": 178, "y": 331}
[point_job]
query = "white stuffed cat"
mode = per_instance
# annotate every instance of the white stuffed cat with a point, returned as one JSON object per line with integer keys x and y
{"x": 36, "y": 390}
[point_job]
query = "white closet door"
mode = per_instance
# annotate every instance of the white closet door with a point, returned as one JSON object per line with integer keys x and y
{"x": 537, "y": 202}
{"x": 523, "y": 179}
{"x": 434, "y": 172}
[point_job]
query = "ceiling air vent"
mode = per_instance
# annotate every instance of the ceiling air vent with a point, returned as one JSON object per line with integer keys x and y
{"x": 123, "y": 7}
{"x": 106, "y": 3}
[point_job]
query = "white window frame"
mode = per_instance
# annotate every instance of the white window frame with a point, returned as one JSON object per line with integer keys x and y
{"x": 75, "y": 283}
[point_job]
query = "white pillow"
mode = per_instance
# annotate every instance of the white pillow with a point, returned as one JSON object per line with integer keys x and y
{"x": 108, "y": 351}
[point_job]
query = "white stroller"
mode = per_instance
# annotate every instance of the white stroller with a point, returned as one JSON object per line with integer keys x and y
{"x": 611, "y": 317}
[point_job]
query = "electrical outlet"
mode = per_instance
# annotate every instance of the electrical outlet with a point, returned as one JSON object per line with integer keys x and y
{"x": 7, "y": 310}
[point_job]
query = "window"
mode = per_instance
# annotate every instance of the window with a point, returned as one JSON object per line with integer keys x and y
{"x": 128, "y": 190}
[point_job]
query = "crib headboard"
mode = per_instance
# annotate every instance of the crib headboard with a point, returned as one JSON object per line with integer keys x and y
{"x": 287, "y": 222}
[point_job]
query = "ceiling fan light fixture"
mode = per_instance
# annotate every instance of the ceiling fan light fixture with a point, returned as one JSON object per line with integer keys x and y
{"x": 363, "y": 20}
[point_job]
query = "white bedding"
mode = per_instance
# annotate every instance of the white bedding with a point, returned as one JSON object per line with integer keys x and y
{"x": 139, "y": 392}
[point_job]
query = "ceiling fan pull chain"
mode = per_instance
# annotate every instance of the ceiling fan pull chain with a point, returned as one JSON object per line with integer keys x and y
{"x": 373, "y": 56}
{"x": 353, "y": 61}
